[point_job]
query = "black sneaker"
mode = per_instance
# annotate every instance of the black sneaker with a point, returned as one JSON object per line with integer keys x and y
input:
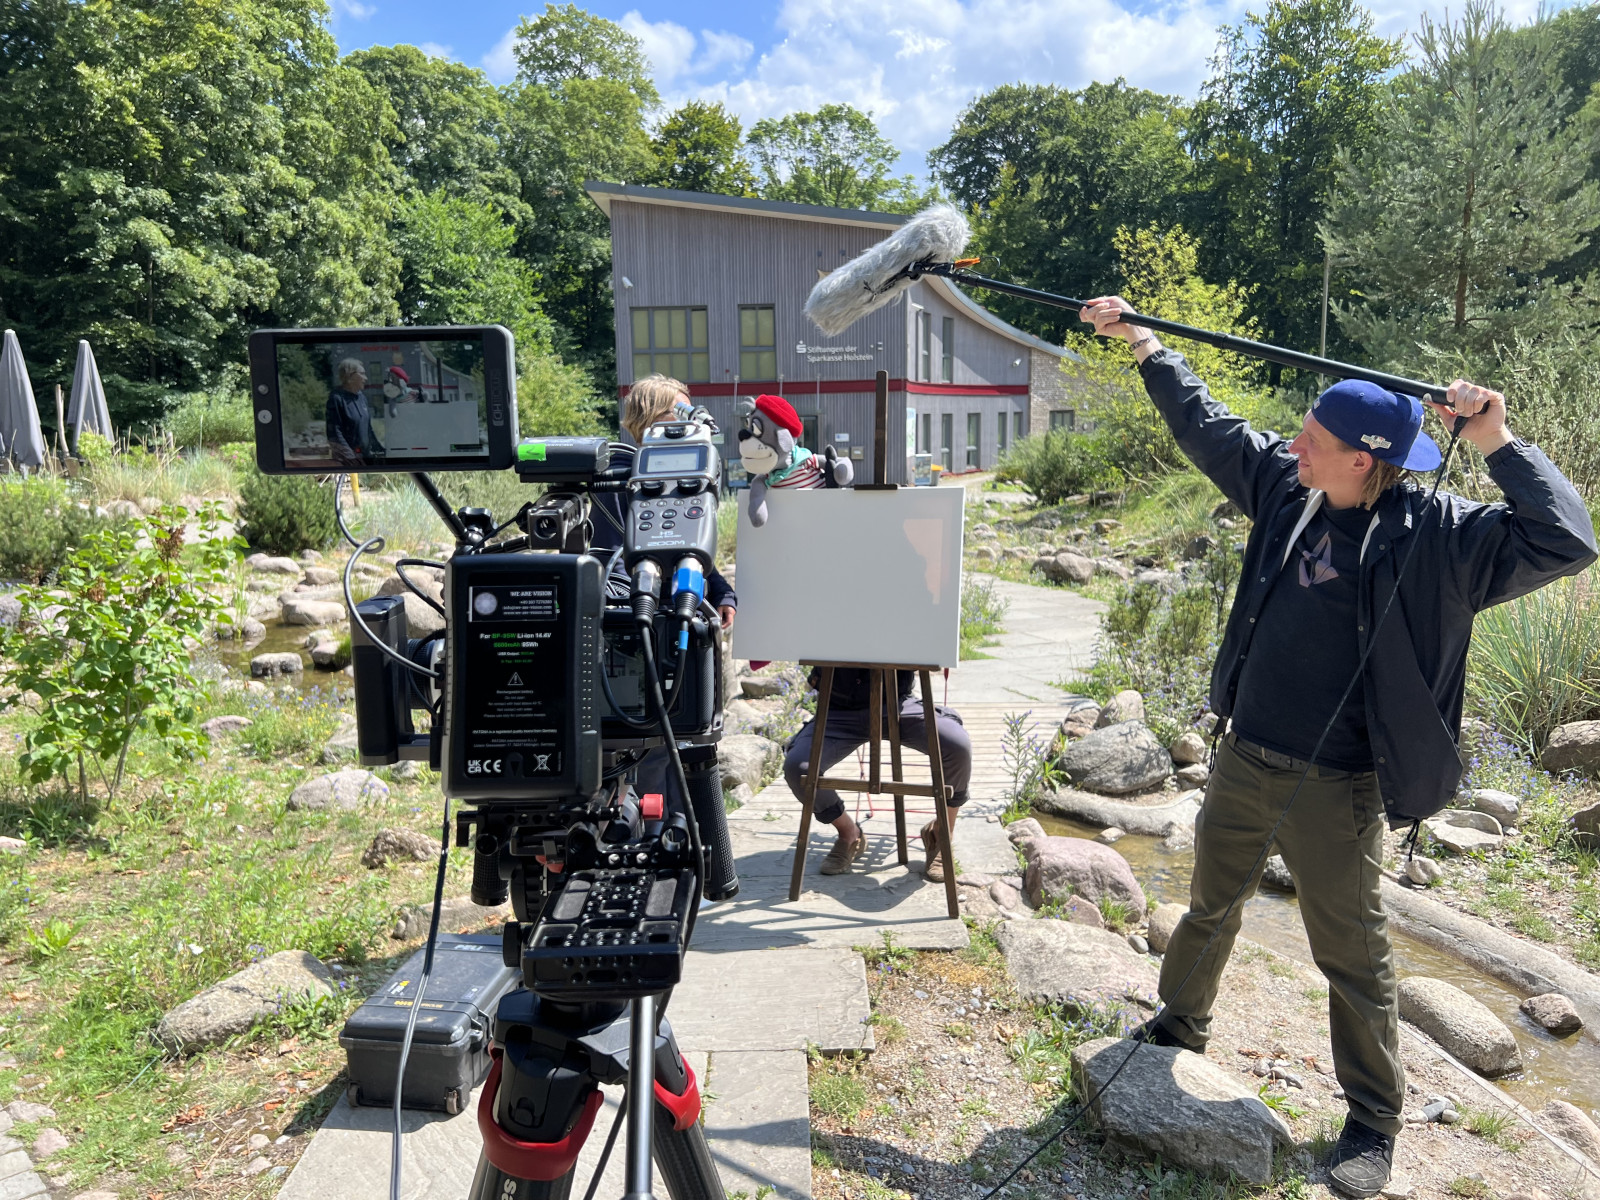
{"x": 1360, "y": 1163}
{"x": 1157, "y": 1035}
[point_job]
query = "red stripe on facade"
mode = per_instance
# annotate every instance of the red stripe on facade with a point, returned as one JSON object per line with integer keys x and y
{"x": 834, "y": 387}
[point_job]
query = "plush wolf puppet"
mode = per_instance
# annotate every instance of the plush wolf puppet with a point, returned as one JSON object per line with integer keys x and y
{"x": 774, "y": 458}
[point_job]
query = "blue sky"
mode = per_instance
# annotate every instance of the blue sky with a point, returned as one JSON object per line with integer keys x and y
{"x": 914, "y": 64}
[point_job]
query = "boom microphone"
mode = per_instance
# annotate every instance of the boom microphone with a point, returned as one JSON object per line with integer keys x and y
{"x": 928, "y": 245}
{"x": 878, "y": 275}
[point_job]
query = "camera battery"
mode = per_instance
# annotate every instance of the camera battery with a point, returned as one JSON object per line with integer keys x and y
{"x": 450, "y": 1047}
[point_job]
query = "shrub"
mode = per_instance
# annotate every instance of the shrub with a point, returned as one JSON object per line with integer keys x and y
{"x": 285, "y": 514}
{"x": 981, "y": 611}
{"x": 1052, "y": 466}
{"x": 212, "y": 418}
{"x": 1534, "y": 663}
{"x": 104, "y": 649}
{"x": 41, "y": 521}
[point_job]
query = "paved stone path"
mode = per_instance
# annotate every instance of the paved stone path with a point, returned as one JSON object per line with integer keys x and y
{"x": 767, "y": 977}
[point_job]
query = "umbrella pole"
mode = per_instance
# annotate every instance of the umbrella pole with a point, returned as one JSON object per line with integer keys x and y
{"x": 61, "y": 425}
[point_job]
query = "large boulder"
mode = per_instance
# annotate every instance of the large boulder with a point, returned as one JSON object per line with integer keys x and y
{"x": 1151, "y": 820}
{"x": 1025, "y": 830}
{"x": 1176, "y": 1106}
{"x": 1058, "y": 962}
{"x": 219, "y": 726}
{"x": 345, "y": 744}
{"x": 1573, "y": 1126}
{"x": 342, "y": 790}
{"x": 1275, "y": 875}
{"x": 267, "y": 564}
{"x": 421, "y": 617}
{"x": 1065, "y": 568}
{"x": 430, "y": 581}
{"x": 322, "y": 576}
{"x": 1574, "y": 747}
{"x": 1462, "y": 1025}
{"x": 1554, "y": 1012}
{"x": 1063, "y": 867}
{"x": 1164, "y": 919}
{"x": 1117, "y": 760}
{"x": 1126, "y": 705}
{"x": 238, "y": 1002}
{"x": 298, "y": 610}
{"x": 1465, "y": 830}
{"x": 747, "y": 758}
{"x": 272, "y": 666}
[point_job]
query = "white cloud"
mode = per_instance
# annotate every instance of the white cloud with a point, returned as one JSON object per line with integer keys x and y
{"x": 435, "y": 50}
{"x": 500, "y": 64}
{"x": 356, "y": 10}
{"x": 667, "y": 45}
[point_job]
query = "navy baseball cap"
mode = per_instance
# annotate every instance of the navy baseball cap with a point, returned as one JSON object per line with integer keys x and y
{"x": 1388, "y": 425}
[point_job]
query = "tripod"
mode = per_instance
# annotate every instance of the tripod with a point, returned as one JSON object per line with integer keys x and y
{"x": 540, "y": 1101}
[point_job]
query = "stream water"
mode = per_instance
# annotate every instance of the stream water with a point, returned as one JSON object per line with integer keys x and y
{"x": 236, "y": 656}
{"x": 1553, "y": 1068}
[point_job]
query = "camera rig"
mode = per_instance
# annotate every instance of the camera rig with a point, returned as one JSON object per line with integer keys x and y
{"x": 562, "y": 665}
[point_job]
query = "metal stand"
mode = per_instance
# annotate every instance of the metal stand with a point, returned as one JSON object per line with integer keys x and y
{"x": 880, "y": 687}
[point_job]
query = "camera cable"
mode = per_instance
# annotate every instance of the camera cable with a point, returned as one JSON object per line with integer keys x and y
{"x": 1150, "y": 1026}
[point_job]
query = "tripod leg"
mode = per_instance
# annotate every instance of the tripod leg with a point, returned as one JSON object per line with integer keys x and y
{"x": 684, "y": 1160}
{"x": 491, "y": 1183}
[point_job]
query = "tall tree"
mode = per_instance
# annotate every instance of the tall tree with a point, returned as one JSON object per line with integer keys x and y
{"x": 171, "y": 175}
{"x": 576, "y": 112}
{"x": 1006, "y": 127}
{"x": 699, "y": 148}
{"x": 1054, "y": 176}
{"x": 1471, "y": 190}
{"x": 1288, "y": 89}
{"x": 834, "y": 157}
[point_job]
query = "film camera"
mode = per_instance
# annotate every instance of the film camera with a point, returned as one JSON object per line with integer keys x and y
{"x": 577, "y": 643}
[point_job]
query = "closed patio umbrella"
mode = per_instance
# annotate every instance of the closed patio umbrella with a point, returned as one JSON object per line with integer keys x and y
{"x": 19, "y": 415}
{"x": 86, "y": 411}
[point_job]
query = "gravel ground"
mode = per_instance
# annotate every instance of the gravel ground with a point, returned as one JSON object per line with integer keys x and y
{"x": 960, "y": 1090}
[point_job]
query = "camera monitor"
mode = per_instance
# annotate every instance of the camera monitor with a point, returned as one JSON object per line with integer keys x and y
{"x": 438, "y": 398}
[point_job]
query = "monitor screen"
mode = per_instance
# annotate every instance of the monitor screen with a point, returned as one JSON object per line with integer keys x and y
{"x": 381, "y": 404}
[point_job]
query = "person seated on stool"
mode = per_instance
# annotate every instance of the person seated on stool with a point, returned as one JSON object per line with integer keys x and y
{"x": 849, "y": 726}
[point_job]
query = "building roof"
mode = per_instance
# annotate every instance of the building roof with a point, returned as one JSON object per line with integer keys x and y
{"x": 603, "y": 194}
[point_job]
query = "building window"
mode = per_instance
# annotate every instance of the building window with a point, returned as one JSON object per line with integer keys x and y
{"x": 924, "y": 346}
{"x": 808, "y": 431}
{"x": 947, "y": 439}
{"x": 974, "y": 438}
{"x": 1000, "y": 433}
{"x": 1061, "y": 418}
{"x": 947, "y": 348}
{"x": 671, "y": 341}
{"x": 925, "y": 442}
{"x": 1018, "y": 432}
{"x": 758, "y": 343}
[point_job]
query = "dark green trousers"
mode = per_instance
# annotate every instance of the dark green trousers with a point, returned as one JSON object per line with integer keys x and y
{"x": 1332, "y": 843}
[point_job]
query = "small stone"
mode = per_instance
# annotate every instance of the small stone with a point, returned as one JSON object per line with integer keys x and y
{"x": 26, "y": 1110}
{"x": 1194, "y": 775}
{"x": 408, "y": 768}
{"x": 1554, "y": 1012}
{"x": 1126, "y": 705}
{"x": 1398, "y": 1188}
{"x": 1449, "y": 1117}
{"x": 1163, "y": 920}
{"x": 1189, "y": 748}
{"x": 398, "y": 845}
{"x": 1502, "y": 806}
{"x": 259, "y": 1141}
{"x": 1573, "y": 1126}
{"x": 257, "y": 1165}
{"x": 1433, "y": 1111}
{"x": 1110, "y": 834}
{"x": 1276, "y": 875}
{"x": 1140, "y": 946}
{"x": 12, "y": 845}
{"x": 1423, "y": 871}
{"x": 321, "y": 576}
{"x": 346, "y": 790}
{"x": 49, "y": 1141}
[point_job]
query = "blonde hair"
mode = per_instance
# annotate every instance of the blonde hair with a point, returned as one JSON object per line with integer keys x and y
{"x": 1381, "y": 476}
{"x": 650, "y": 400}
{"x": 350, "y": 368}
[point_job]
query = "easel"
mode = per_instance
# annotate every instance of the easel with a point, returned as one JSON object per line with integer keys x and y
{"x": 880, "y": 689}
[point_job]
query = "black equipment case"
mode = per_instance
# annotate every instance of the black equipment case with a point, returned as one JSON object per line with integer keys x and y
{"x": 450, "y": 1047}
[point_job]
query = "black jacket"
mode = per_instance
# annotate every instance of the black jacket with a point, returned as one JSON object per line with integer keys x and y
{"x": 1468, "y": 557}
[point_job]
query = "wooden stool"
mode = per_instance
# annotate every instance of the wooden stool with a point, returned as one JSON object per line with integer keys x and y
{"x": 878, "y": 689}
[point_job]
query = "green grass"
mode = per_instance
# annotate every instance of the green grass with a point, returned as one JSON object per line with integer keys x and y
{"x": 1497, "y": 1127}
{"x": 1469, "y": 1187}
{"x": 838, "y": 1093}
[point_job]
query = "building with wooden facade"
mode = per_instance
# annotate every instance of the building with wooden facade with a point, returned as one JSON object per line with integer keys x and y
{"x": 710, "y": 289}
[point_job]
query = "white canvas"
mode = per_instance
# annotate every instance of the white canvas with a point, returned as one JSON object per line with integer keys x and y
{"x": 837, "y": 575}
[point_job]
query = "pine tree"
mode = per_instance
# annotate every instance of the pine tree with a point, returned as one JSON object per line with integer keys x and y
{"x": 1473, "y": 190}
